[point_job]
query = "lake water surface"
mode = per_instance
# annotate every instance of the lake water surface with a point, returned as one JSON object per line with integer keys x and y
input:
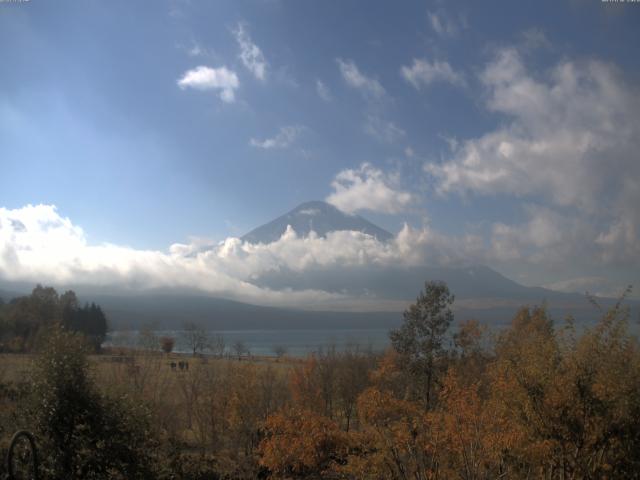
{"x": 263, "y": 342}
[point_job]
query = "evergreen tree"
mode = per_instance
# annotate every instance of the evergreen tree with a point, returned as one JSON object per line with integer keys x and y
{"x": 419, "y": 339}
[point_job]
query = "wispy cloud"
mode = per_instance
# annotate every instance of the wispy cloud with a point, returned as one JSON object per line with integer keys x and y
{"x": 323, "y": 91}
{"x": 534, "y": 38}
{"x": 423, "y": 73}
{"x": 382, "y": 130}
{"x": 283, "y": 139}
{"x": 600, "y": 286}
{"x": 376, "y": 100}
{"x": 250, "y": 54}
{"x": 356, "y": 79}
{"x": 207, "y": 78}
{"x": 368, "y": 188}
{"x": 195, "y": 50}
{"x": 444, "y": 25}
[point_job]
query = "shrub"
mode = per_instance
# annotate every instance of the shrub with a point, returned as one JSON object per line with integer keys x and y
{"x": 85, "y": 434}
{"x": 167, "y": 344}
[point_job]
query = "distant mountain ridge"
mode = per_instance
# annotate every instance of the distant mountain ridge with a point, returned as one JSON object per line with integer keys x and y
{"x": 404, "y": 282}
{"x": 317, "y": 216}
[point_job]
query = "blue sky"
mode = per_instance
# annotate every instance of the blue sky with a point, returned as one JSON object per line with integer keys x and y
{"x": 153, "y": 123}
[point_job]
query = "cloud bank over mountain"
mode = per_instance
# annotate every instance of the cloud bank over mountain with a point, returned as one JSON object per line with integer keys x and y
{"x": 38, "y": 244}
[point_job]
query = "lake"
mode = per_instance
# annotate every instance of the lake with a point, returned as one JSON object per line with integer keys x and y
{"x": 262, "y": 342}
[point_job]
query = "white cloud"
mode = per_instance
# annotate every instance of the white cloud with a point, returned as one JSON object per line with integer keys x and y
{"x": 206, "y": 78}
{"x": 49, "y": 248}
{"x": 565, "y": 137}
{"x": 571, "y": 137}
{"x": 196, "y": 50}
{"x": 595, "y": 285}
{"x": 620, "y": 242}
{"x": 37, "y": 244}
{"x": 250, "y": 54}
{"x": 370, "y": 87}
{"x": 382, "y": 130}
{"x": 283, "y": 139}
{"x": 368, "y": 188}
{"x": 423, "y": 73}
{"x": 375, "y": 97}
{"x": 323, "y": 91}
{"x": 443, "y": 24}
{"x": 534, "y": 38}
{"x": 546, "y": 237}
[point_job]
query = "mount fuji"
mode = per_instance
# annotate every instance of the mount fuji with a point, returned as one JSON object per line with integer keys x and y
{"x": 317, "y": 216}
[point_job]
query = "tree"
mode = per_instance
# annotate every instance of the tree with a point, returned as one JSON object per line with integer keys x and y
{"x": 89, "y": 320}
{"x": 96, "y": 327}
{"x": 167, "y": 343}
{"x": 280, "y": 351}
{"x": 147, "y": 337}
{"x": 217, "y": 345}
{"x": 394, "y": 440}
{"x": 69, "y": 303}
{"x": 30, "y": 313}
{"x": 351, "y": 380}
{"x": 196, "y": 337}
{"x": 420, "y": 337}
{"x": 86, "y": 434}
{"x": 240, "y": 348}
{"x": 301, "y": 444}
{"x": 575, "y": 401}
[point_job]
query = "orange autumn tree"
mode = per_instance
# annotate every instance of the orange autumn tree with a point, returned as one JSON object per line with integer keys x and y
{"x": 394, "y": 441}
{"x": 473, "y": 435}
{"x": 536, "y": 402}
{"x": 301, "y": 444}
{"x": 304, "y": 383}
{"x": 575, "y": 400}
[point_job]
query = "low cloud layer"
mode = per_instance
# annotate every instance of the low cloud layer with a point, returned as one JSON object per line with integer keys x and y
{"x": 37, "y": 244}
{"x": 599, "y": 286}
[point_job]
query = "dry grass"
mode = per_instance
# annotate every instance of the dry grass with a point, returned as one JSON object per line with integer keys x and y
{"x": 14, "y": 367}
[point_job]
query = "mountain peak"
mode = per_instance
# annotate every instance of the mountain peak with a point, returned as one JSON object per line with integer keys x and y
{"x": 313, "y": 207}
{"x": 318, "y": 216}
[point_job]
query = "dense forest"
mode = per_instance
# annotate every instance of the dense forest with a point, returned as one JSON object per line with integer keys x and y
{"x": 537, "y": 399}
{"x": 24, "y": 319}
